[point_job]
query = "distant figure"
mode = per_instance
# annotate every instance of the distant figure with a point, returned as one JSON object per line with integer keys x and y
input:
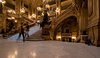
{"x": 70, "y": 40}
{"x": 27, "y": 30}
{"x": 88, "y": 41}
{"x": 21, "y": 33}
{"x": 45, "y": 19}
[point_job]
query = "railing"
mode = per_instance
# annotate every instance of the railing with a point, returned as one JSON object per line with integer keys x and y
{"x": 68, "y": 10}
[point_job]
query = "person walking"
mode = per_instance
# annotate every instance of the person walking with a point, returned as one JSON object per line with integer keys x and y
{"x": 27, "y": 30}
{"x": 21, "y": 32}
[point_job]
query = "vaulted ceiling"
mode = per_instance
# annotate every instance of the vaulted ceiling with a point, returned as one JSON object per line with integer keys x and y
{"x": 36, "y": 3}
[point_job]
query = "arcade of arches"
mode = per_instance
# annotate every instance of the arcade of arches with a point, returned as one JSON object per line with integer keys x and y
{"x": 69, "y": 19}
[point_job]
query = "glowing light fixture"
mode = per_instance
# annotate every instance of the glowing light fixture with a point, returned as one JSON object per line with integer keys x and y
{"x": 9, "y": 11}
{"x": 2, "y": 1}
{"x": 9, "y": 18}
{"x": 13, "y": 17}
{"x": 57, "y": 10}
{"x": 39, "y": 8}
{"x": 16, "y": 22}
{"x": 47, "y": 6}
{"x": 34, "y": 15}
{"x": 42, "y": 14}
{"x": 29, "y": 16}
{"x": 22, "y": 10}
{"x": 74, "y": 37}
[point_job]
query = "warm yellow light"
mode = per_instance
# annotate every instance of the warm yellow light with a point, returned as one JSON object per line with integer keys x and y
{"x": 57, "y": 10}
{"x": 9, "y": 11}
{"x": 0, "y": 1}
{"x": 13, "y": 17}
{"x": 3, "y": 2}
{"x": 48, "y": 13}
{"x": 58, "y": 37}
{"x": 74, "y": 37}
{"x": 34, "y": 15}
{"x": 9, "y": 18}
{"x": 16, "y": 22}
{"x": 13, "y": 12}
{"x": 29, "y": 17}
{"x": 42, "y": 14}
{"x": 33, "y": 54}
{"x": 39, "y": 8}
{"x": 22, "y": 10}
{"x": 47, "y": 6}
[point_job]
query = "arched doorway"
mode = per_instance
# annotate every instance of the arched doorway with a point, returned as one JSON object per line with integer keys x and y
{"x": 67, "y": 29}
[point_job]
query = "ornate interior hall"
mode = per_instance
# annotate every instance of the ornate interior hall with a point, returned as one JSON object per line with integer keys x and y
{"x": 49, "y": 29}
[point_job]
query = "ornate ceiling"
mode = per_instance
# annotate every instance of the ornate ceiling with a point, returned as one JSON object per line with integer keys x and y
{"x": 35, "y": 3}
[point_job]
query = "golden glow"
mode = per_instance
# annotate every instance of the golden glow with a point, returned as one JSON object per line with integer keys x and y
{"x": 58, "y": 36}
{"x": 11, "y": 11}
{"x": 2, "y": 1}
{"x": 39, "y": 8}
{"x": 16, "y": 22}
{"x": 13, "y": 55}
{"x": 22, "y": 10}
{"x": 44, "y": 0}
{"x": 13, "y": 17}
{"x": 29, "y": 16}
{"x": 42, "y": 14}
{"x": 33, "y": 54}
{"x": 57, "y": 10}
{"x": 47, "y": 6}
{"x": 33, "y": 15}
{"x": 9, "y": 18}
{"x": 48, "y": 13}
{"x": 74, "y": 37}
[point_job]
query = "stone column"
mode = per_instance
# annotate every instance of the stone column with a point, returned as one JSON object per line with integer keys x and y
{"x": 98, "y": 18}
{"x": 4, "y": 17}
{"x": 17, "y": 9}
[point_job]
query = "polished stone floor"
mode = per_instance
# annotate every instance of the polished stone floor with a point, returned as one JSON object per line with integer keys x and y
{"x": 34, "y": 34}
{"x": 46, "y": 49}
{"x": 12, "y": 48}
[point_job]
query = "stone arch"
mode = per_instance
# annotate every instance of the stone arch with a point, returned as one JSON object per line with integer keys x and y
{"x": 70, "y": 20}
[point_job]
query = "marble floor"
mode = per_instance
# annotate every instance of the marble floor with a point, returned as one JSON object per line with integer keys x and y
{"x": 32, "y": 32}
{"x": 46, "y": 49}
{"x": 10, "y": 48}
